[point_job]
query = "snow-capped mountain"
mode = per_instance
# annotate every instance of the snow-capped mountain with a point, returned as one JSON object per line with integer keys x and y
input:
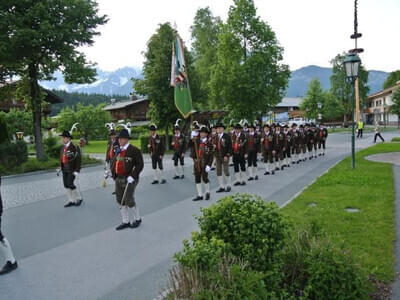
{"x": 116, "y": 82}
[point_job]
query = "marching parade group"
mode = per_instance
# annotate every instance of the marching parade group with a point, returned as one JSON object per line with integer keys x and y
{"x": 211, "y": 148}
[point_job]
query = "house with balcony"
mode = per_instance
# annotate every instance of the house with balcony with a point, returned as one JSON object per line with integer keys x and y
{"x": 377, "y": 107}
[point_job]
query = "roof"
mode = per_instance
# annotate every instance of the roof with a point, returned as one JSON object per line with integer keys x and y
{"x": 50, "y": 96}
{"x": 289, "y": 102}
{"x": 124, "y": 104}
{"x": 385, "y": 92}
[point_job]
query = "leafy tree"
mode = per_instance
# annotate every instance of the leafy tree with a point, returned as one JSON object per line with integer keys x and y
{"x": 72, "y": 100}
{"x": 315, "y": 95}
{"x": 18, "y": 120}
{"x": 157, "y": 74}
{"x": 39, "y": 37}
{"x": 392, "y": 79}
{"x": 91, "y": 120}
{"x": 332, "y": 108}
{"x": 248, "y": 77}
{"x": 395, "y": 108}
{"x": 342, "y": 89}
{"x": 205, "y": 30}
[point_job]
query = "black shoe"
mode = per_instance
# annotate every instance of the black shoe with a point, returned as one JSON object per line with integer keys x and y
{"x": 198, "y": 198}
{"x": 273, "y": 173}
{"x": 176, "y": 177}
{"x": 288, "y": 166}
{"x": 228, "y": 189}
{"x": 305, "y": 159}
{"x": 323, "y": 154}
{"x": 243, "y": 183}
{"x": 276, "y": 169}
{"x": 113, "y": 193}
{"x": 123, "y": 226}
{"x": 298, "y": 162}
{"x": 163, "y": 181}
{"x": 220, "y": 190}
{"x": 213, "y": 168}
{"x": 207, "y": 196}
{"x": 69, "y": 204}
{"x": 315, "y": 156}
{"x": 79, "y": 202}
{"x": 256, "y": 177}
{"x": 293, "y": 162}
{"x": 236, "y": 183}
{"x": 311, "y": 158}
{"x": 266, "y": 173}
{"x": 282, "y": 168}
{"x": 155, "y": 182}
{"x": 136, "y": 224}
{"x": 319, "y": 154}
{"x": 182, "y": 176}
{"x": 250, "y": 179}
{"x": 8, "y": 267}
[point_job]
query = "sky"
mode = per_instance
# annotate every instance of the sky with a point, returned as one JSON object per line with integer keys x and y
{"x": 311, "y": 32}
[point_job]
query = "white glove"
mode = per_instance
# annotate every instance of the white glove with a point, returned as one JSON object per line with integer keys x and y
{"x": 208, "y": 169}
{"x": 76, "y": 174}
{"x": 130, "y": 179}
{"x": 194, "y": 133}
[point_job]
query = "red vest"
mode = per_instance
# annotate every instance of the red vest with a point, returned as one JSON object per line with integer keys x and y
{"x": 64, "y": 158}
{"x": 119, "y": 164}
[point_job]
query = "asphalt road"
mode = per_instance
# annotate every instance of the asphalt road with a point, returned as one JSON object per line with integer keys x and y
{"x": 76, "y": 253}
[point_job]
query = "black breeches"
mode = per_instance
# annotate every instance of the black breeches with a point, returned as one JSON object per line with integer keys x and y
{"x": 279, "y": 155}
{"x": 239, "y": 161}
{"x": 268, "y": 157}
{"x": 178, "y": 158}
{"x": 321, "y": 144}
{"x": 200, "y": 175}
{"x": 1, "y": 235}
{"x": 252, "y": 158}
{"x": 68, "y": 180}
{"x": 310, "y": 146}
{"x": 156, "y": 160}
{"x": 288, "y": 152}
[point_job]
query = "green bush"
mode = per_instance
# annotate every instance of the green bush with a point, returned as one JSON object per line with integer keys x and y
{"x": 52, "y": 147}
{"x": 316, "y": 269}
{"x": 253, "y": 230}
{"x": 35, "y": 165}
{"x": 4, "y": 135}
{"x": 13, "y": 154}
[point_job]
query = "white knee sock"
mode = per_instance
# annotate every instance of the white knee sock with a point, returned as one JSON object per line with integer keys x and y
{"x": 199, "y": 189}
{"x": 70, "y": 195}
{"x": 5, "y": 248}
{"x": 207, "y": 187}
{"x": 243, "y": 176}
{"x": 124, "y": 214}
{"x": 177, "y": 170}
{"x": 182, "y": 170}
{"x": 155, "y": 174}
{"x": 220, "y": 181}
{"x": 228, "y": 181}
{"x": 133, "y": 214}
{"x": 161, "y": 173}
{"x": 250, "y": 171}
{"x": 237, "y": 175}
{"x": 254, "y": 171}
{"x": 76, "y": 195}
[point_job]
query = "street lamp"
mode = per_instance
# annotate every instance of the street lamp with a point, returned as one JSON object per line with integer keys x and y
{"x": 352, "y": 65}
{"x": 319, "y": 105}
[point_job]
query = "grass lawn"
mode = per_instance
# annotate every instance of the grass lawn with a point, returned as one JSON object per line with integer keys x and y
{"x": 101, "y": 146}
{"x": 396, "y": 139}
{"x": 369, "y": 234}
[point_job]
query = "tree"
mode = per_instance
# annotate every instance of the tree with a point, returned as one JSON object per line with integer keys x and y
{"x": 39, "y": 37}
{"x": 248, "y": 77}
{"x": 392, "y": 79}
{"x": 91, "y": 120}
{"x": 18, "y": 120}
{"x": 332, "y": 108}
{"x": 315, "y": 95}
{"x": 342, "y": 89}
{"x": 395, "y": 108}
{"x": 157, "y": 77}
{"x": 205, "y": 30}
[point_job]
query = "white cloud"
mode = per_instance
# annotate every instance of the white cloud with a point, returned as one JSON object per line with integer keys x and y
{"x": 311, "y": 31}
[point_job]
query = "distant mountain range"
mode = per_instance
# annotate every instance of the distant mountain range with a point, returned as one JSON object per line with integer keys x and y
{"x": 300, "y": 79}
{"x": 119, "y": 82}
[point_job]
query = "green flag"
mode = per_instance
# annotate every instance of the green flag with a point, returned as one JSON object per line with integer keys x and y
{"x": 179, "y": 79}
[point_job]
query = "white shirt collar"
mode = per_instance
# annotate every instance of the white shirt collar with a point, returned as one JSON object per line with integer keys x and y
{"x": 67, "y": 144}
{"x": 125, "y": 147}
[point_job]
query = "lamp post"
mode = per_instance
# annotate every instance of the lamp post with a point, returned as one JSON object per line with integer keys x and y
{"x": 352, "y": 65}
{"x": 319, "y": 105}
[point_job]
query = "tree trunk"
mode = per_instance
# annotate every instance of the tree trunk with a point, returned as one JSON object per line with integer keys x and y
{"x": 36, "y": 111}
{"x": 167, "y": 137}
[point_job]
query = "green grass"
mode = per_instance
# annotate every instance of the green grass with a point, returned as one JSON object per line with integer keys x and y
{"x": 101, "y": 146}
{"x": 396, "y": 139}
{"x": 366, "y": 129}
{"x": 51, "y": 163}
{"x": 369, "y": 234}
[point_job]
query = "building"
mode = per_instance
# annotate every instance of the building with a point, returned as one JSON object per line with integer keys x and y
{"x": 132, "y": 109}
{"x": 288, "y": 108}
{"x": 377, "y": 107}
{"x": 9, "y": 101}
